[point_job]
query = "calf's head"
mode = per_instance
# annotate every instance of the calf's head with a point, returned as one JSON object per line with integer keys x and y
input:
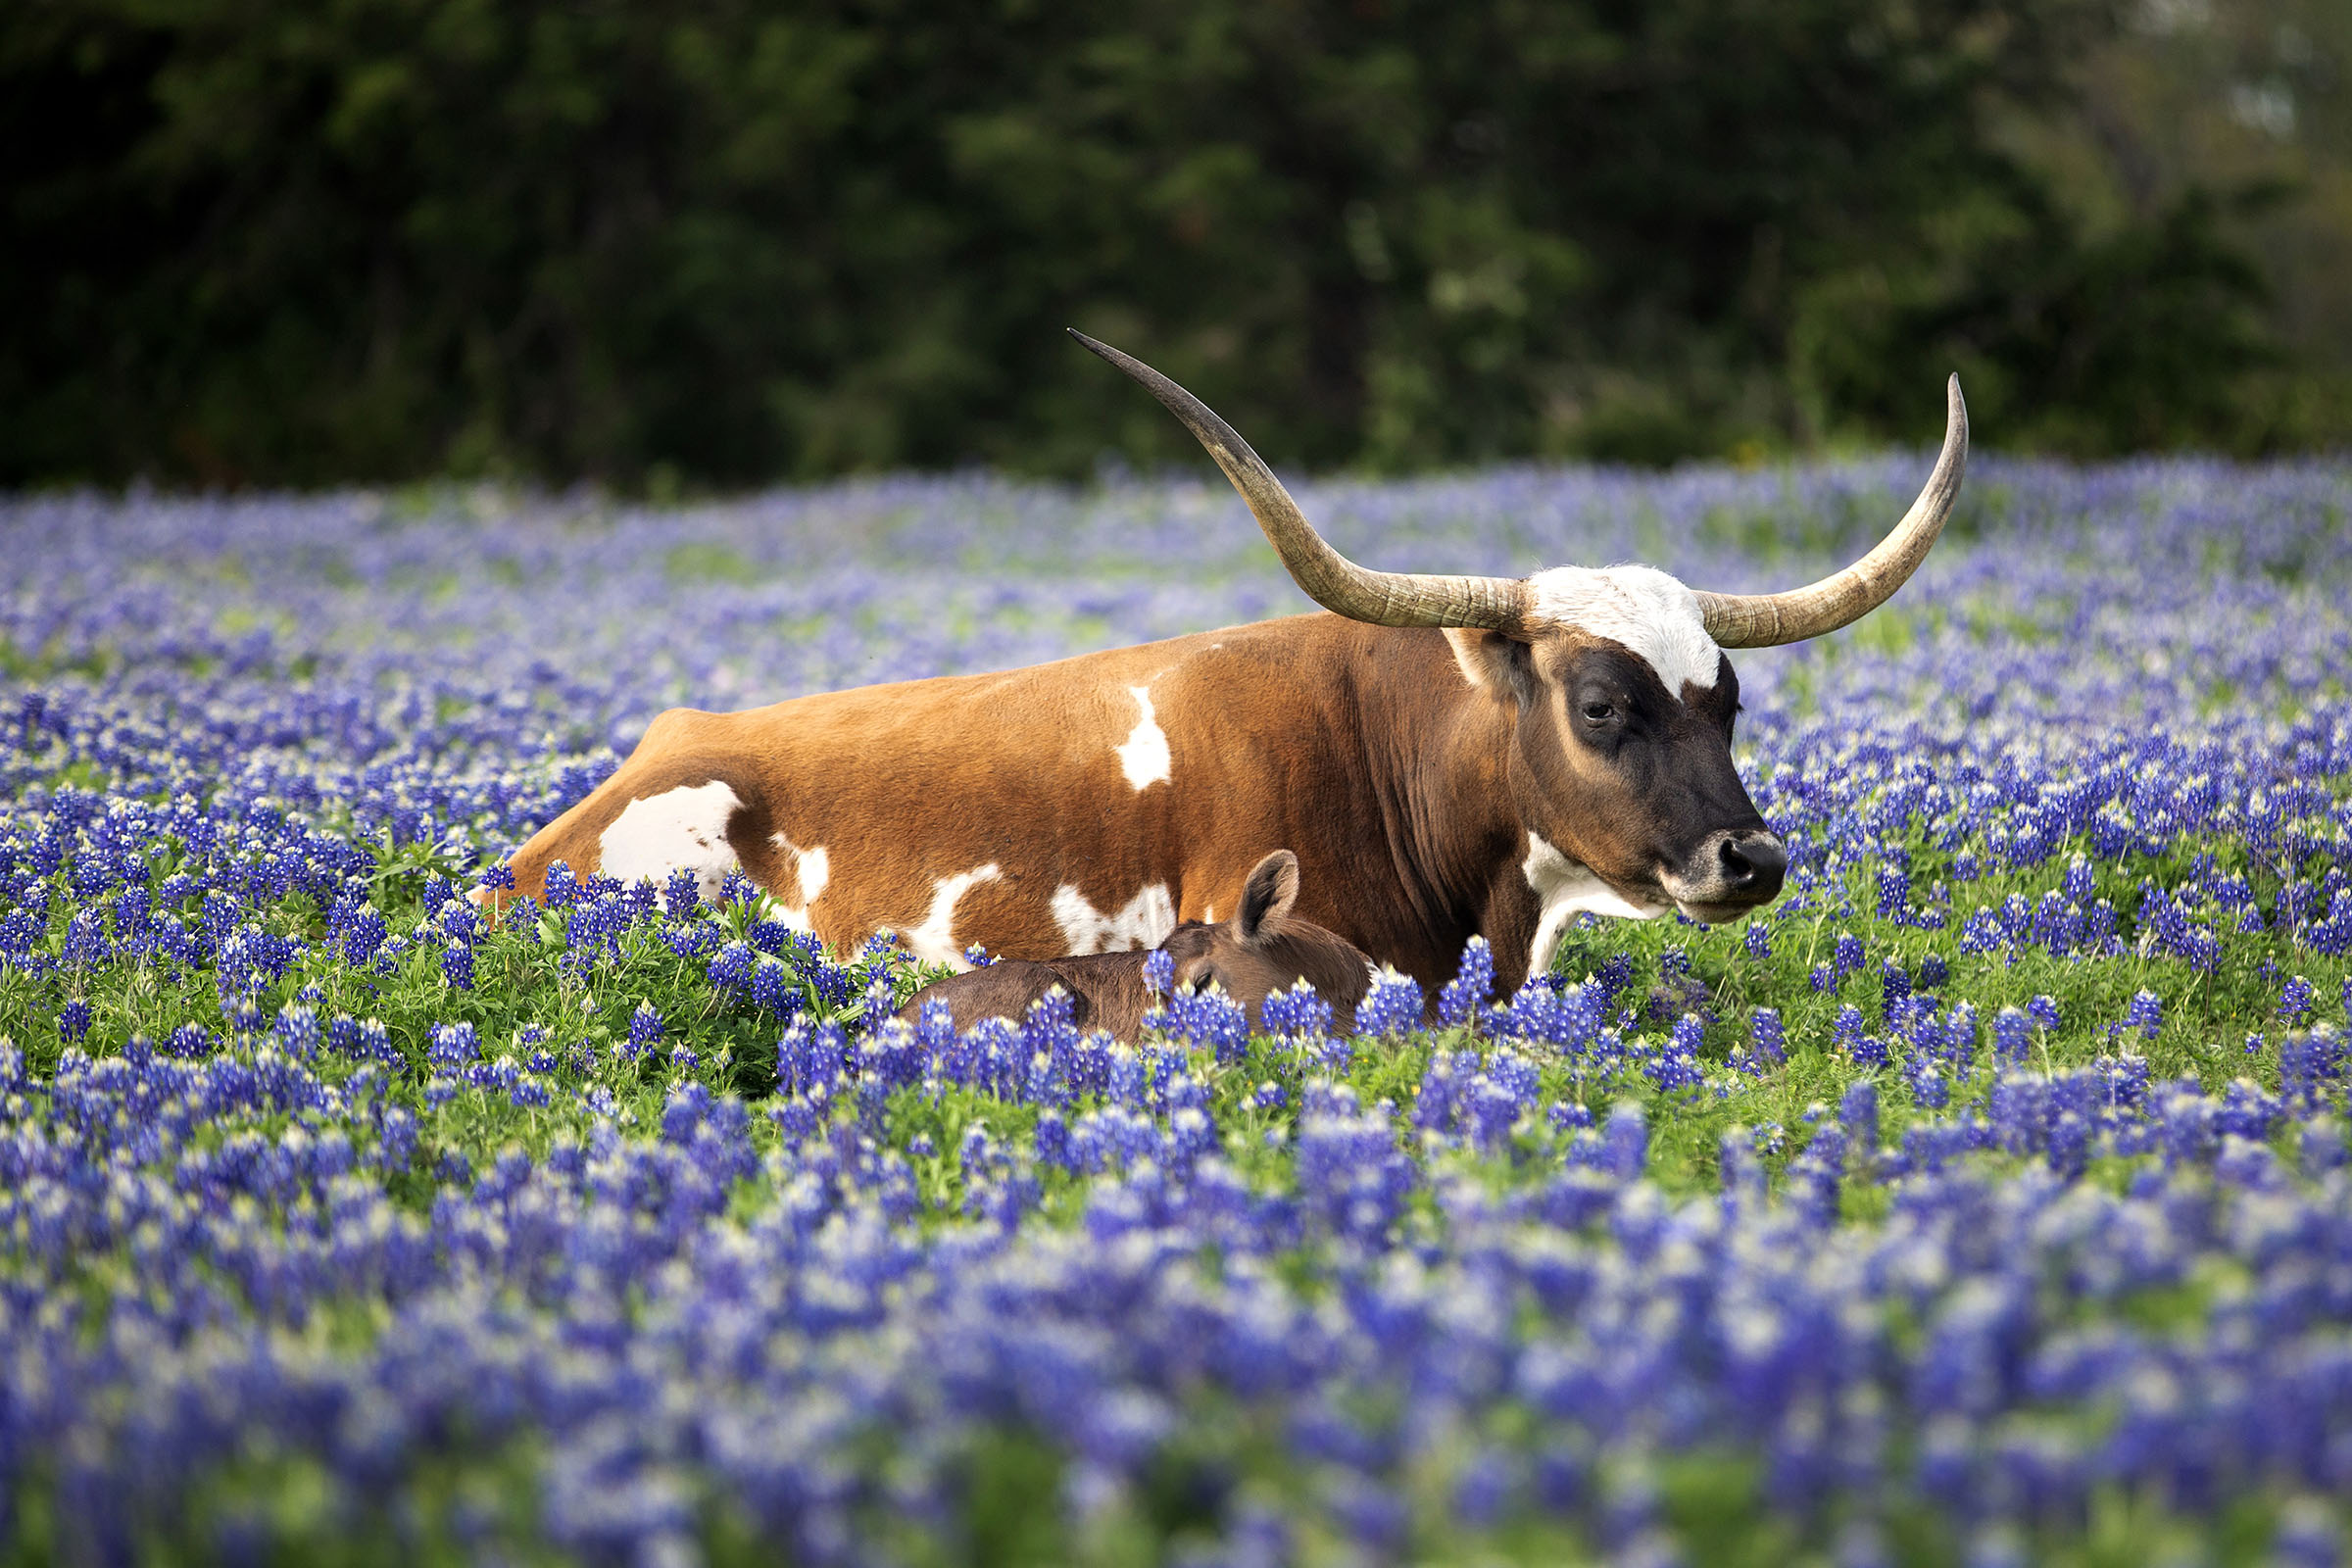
{"x": 1621, "y": 762}
{"x": 1265, "y": 948}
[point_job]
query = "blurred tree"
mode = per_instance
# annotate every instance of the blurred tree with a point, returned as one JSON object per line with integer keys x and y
{"x": 645, "y": 240}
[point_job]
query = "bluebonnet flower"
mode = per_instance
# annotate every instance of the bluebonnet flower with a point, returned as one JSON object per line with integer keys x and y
{"x": 1213, "y": 1019}
{"x": 1299, "y": 1013}
{"x": 733, "y": 967}
{"x": 1464, "y": 997}
{"x": 2310, "y": 1063}
{"x": 86, "y": 943}
{"x": 1895, "y": 892}
{"x": 1743, "y": 1173}
{"x": 297, "y": 1032}
{"x": 645, "y": 1028}
{"x": 1392, "y": 1005}
{"x": 1858, "y": 1116}
{"x": 1894, "y": 989}
{"x": 1625, "y": 1141}
{"x": 454, "y": 1046}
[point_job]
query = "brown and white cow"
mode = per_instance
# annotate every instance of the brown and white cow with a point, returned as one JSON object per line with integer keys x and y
{"x": 1448, "y": 756}
{"x": 1261, "y": 949}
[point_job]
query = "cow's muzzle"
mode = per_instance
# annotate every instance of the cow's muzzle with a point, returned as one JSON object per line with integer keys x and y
{"x": 1731, "y": 873}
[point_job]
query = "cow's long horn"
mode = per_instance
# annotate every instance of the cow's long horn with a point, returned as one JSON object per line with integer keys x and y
{"x": 1762, "y": 620}
{"x": 1329, "y": 578}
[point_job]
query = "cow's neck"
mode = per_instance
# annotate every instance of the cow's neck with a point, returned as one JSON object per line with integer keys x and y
{"x": 1439, "y": 753}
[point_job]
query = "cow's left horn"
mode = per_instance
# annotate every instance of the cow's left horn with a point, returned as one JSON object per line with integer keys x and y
{"x": 1762, "y": 620}
{"x": 1329, "y": 578}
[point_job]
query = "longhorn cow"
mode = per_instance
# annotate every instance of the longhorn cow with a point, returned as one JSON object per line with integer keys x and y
{"x": 1448, "y": 757}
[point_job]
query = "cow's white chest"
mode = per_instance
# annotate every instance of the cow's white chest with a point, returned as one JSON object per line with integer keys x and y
{"x": 1144, "y": 921}
{"x": 1565, "y": 888}
{"x": 680, "y": 829}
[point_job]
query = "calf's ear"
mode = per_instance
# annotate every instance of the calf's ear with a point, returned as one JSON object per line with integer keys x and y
{"x": 1267, "y": 898}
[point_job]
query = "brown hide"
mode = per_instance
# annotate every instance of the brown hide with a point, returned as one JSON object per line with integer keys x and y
{"x": 1264, "y": 949}
{"x": 1364, "y": 748}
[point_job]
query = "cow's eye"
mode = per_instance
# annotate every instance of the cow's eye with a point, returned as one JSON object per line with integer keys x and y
{"x": 1600, "y": 713}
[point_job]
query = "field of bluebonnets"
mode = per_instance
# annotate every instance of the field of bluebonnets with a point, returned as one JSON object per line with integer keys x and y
{"x": 1985, "y": 1201}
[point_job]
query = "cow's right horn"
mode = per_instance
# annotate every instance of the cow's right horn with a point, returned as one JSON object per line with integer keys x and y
{"x": 1329, "y": 578}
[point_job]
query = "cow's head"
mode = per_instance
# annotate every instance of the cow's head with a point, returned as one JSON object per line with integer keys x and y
{"x": 1621, "y": 768}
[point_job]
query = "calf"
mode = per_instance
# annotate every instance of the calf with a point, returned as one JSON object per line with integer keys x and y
{"x": 1264, "y": 949}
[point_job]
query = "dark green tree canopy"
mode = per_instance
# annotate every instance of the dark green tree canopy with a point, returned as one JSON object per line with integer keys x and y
{"x": 305, "y": 240}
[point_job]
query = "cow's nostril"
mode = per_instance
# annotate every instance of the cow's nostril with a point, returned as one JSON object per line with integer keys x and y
{"x": 1751, "y": 860}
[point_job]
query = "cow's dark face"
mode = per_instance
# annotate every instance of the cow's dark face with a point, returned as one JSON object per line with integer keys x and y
{"x": 1626, "y": 785}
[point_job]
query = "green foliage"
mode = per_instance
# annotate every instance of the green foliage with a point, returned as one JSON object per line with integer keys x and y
{"x": 274, "y": 241}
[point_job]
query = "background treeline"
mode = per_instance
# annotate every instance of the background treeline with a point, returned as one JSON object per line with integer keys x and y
{"x": 709, "y": 241}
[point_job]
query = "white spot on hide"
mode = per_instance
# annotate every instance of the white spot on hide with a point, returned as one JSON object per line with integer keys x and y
{"x": 1144, "y": 922}
{"x": 1640, "y": 606}
{"x": 1564, "y": 888}
{"x": 1144, "y": 756}
{"x": 684, "y": 828}
{"x": 811, "y": 870}
{"x": 934, "y": 941}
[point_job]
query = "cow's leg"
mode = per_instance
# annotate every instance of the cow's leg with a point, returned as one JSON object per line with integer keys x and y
{"x": 1513, "y": 926}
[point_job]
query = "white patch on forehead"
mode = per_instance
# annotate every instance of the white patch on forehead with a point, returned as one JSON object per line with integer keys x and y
{"x": 934, "y": 941}
{"x": 680, "y": 829}
{"x": 1564, "y": 888}
{"x": 811, "y": 870}
{"x": 1640, "y": 606}
{"x": 1144, "y": 922}
{"x": 1144, "y": 758}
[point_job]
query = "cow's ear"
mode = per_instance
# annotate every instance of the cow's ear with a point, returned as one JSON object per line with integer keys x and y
{"x": 1501, "y": 665}
{"x": 1267, "y": 898}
